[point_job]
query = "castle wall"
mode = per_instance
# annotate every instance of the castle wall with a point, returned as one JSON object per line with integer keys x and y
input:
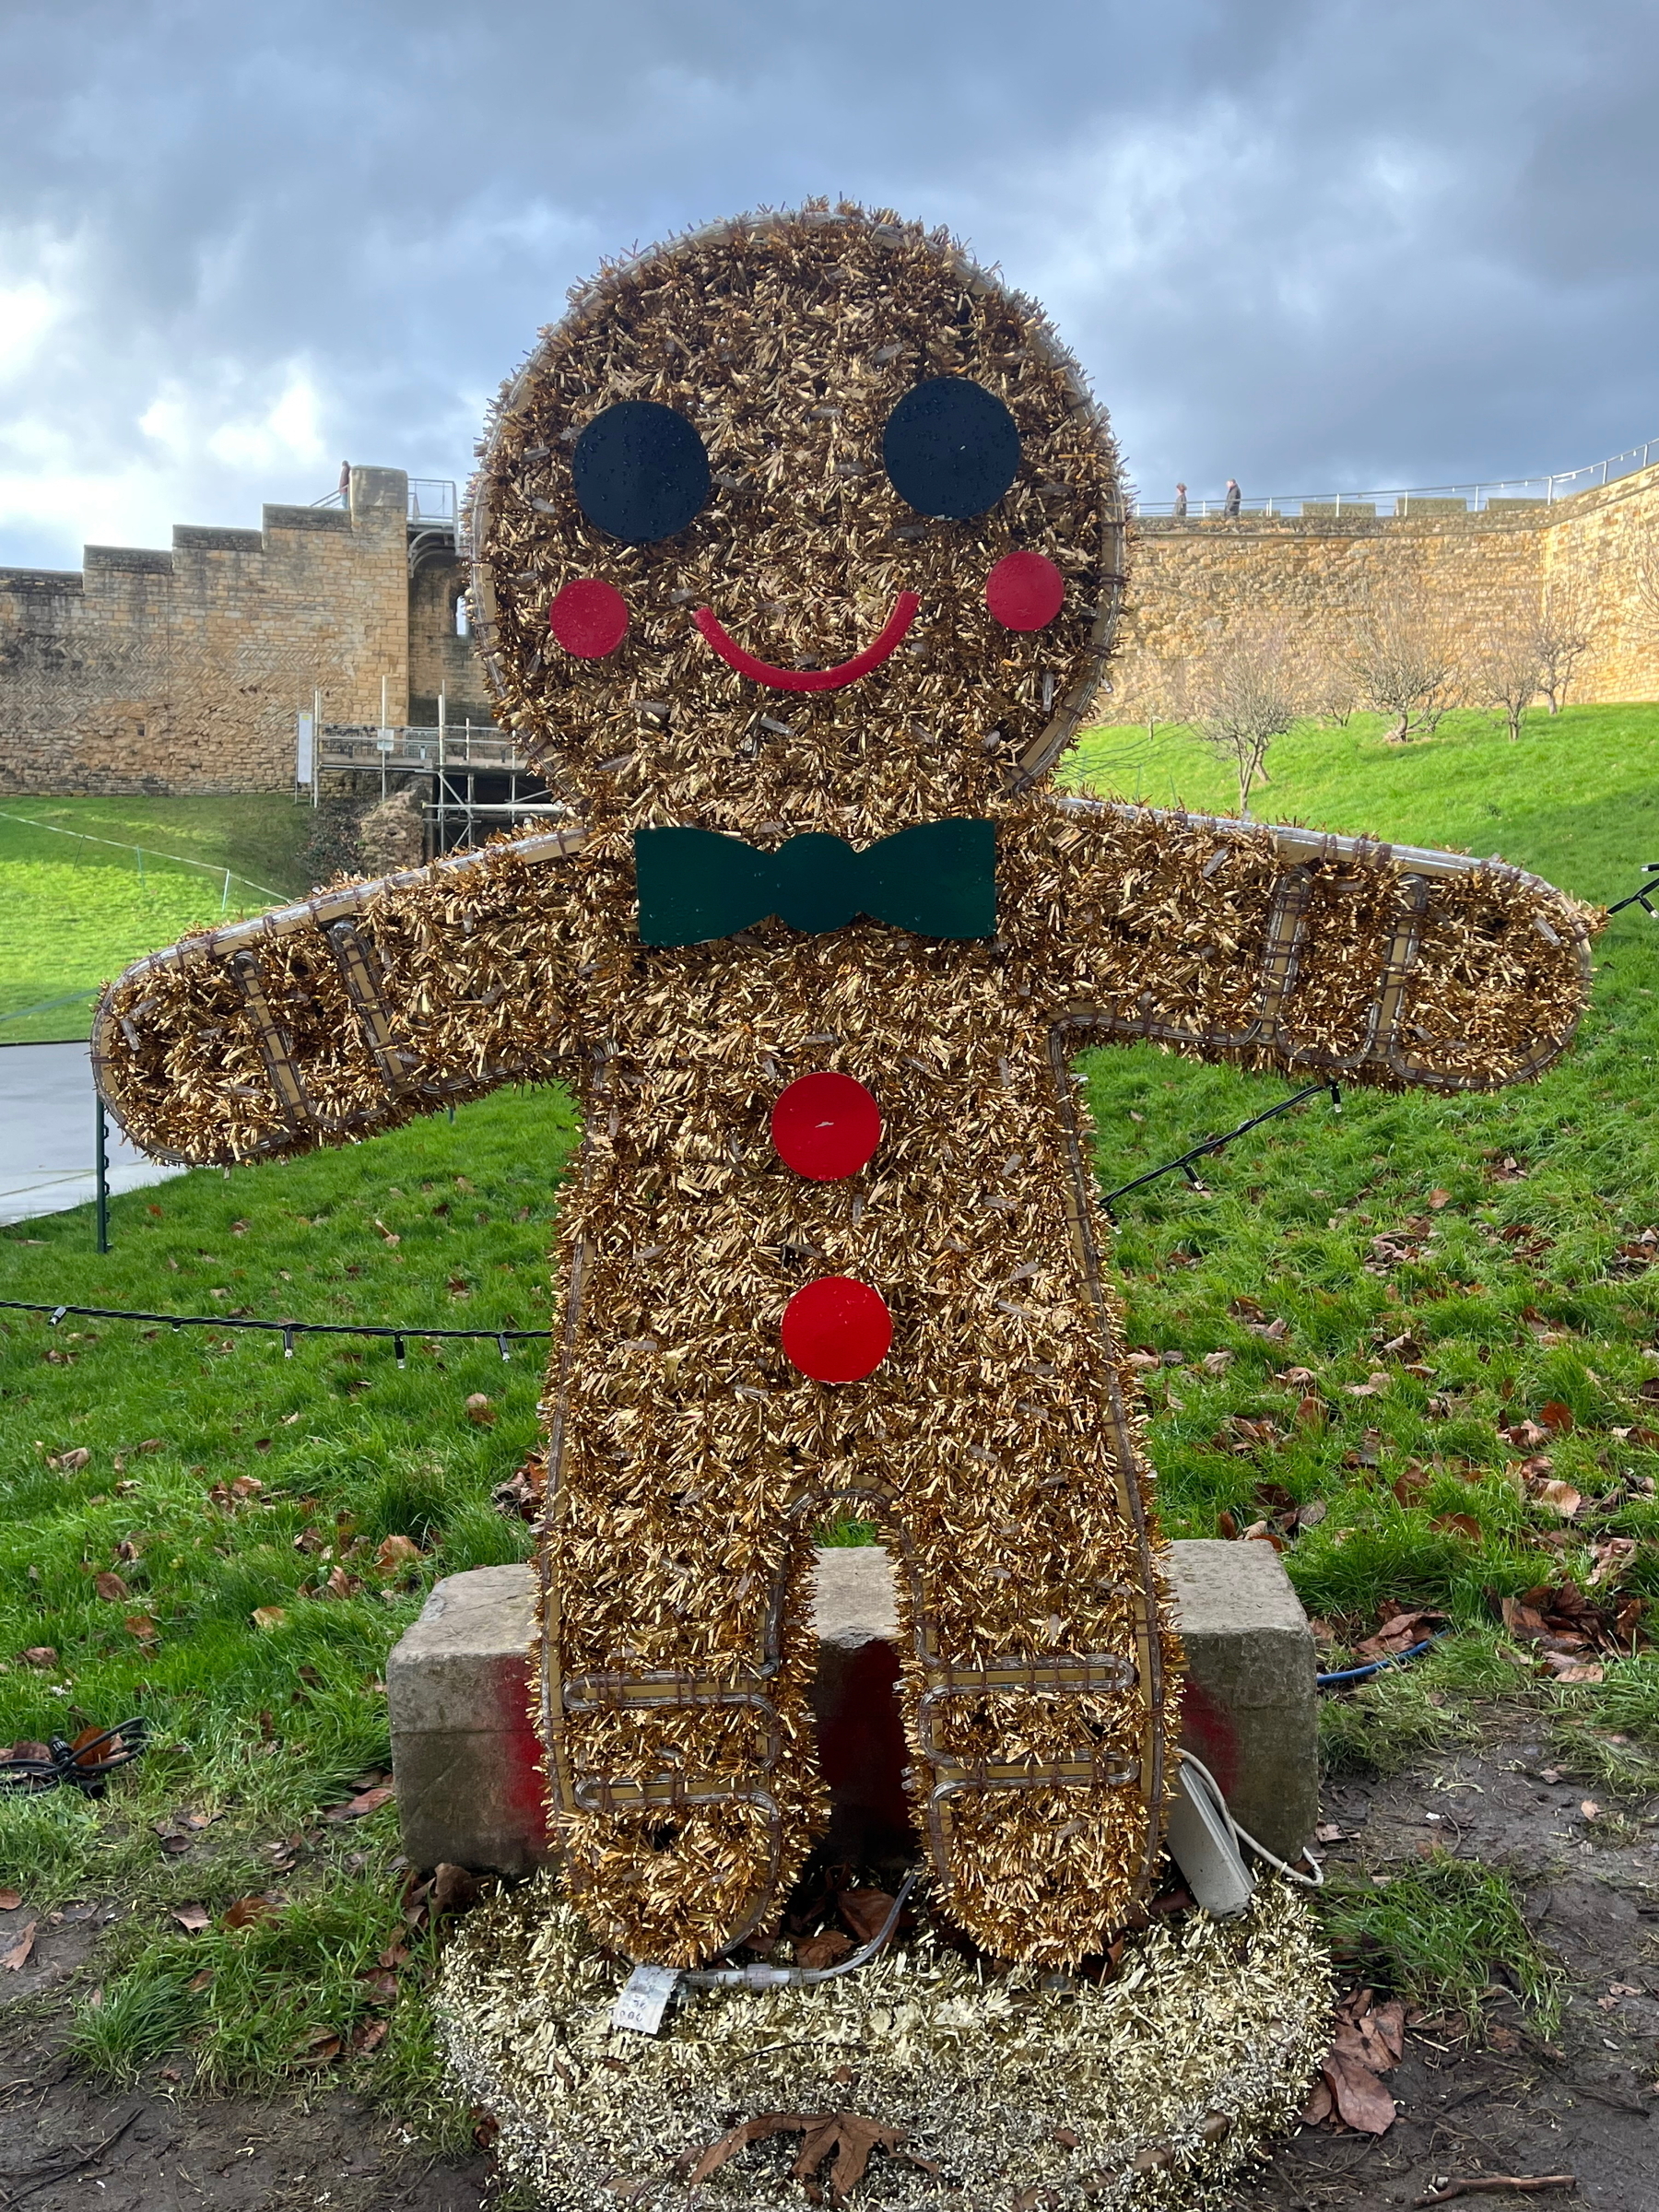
{"x": 1308, "y": 583}
{"x": 183, "y": 671}
{"x": 441, "y": 659}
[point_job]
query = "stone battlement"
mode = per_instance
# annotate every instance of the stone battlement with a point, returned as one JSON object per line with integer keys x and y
{"x": 181, "y": 670}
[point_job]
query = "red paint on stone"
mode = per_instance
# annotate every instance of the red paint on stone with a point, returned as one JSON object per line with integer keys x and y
{"x": 837, "y": 1330}
{"x": 1025, "y": 590}
{"x": 589, "y": 618}
{"x": 525, "y": 1762}
{"x": 826, "y": 1126}
{"x": 1211, "y": 1731}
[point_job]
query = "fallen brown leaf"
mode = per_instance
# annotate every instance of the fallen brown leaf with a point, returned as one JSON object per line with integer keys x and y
{"x": 1559, "y": 1497}
{"x": 479, "y": 1410}
{"x": 865, "y": 1912}
{"x": 1459, "y": 1525}
{"x": 268, "y": 1616}
{"x": 193, "y": 1919}
{"x": 17, "y": 1955}
{"x": 41, "y": 1654}
{"x": 366, "y": 1801}
{"x": 10, "y": 1900}
{"x": 847, "y": 2137}
{"x": 317, "y": 2048}
{"x": 454, "y": 1889}
{"x": 140, "y": 1625}
{"x": 822, "y": 1950}
{"x": 1556, "y": 1416}
{"x": 248, "y": 1913}
{"x": 1399, "y": 1632}
{"x": 110, "y": 1586}
{"x": 395, "y": 1553}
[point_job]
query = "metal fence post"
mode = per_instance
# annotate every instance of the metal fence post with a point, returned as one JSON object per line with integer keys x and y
{"x": 102, "y": 1168}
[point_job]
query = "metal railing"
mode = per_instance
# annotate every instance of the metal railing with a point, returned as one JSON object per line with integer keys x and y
{"x": 1473, "y": 497}
{"x": 433, "y": 504}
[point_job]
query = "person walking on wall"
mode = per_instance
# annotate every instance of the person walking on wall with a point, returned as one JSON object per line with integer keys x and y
{"x": 1179, "y": 500}
{"x": 1230, "y": 505}
{"x": 344, "y": 480}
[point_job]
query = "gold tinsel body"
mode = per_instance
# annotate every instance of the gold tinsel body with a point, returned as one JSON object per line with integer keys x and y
{"x": 997, "y": 1446}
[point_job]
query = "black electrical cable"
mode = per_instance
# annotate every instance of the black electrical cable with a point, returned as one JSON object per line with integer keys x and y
{"x": 1213, "y": 1144}
{"x": 85, "y": 1766}
{"x": 287, "y": 1330}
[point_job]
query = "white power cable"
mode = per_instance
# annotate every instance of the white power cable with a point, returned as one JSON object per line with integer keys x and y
{"x": 796, "y": 1977}
{"x": 1309, "y": 1881}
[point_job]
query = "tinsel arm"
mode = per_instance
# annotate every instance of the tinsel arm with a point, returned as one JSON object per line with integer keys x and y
{"x": 1330, "y": 956}
{"x": 354, "y": 1010}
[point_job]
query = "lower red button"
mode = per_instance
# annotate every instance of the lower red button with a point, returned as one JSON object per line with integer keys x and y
{"x": 837, "y": 1330}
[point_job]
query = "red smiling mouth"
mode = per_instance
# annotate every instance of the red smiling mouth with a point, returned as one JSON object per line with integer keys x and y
{"x": 812, "y": 679}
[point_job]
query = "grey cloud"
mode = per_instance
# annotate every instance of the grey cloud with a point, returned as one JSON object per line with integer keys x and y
{"x": 1312, "y": 243}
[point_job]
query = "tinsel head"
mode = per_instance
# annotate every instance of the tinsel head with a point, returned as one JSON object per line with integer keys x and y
{"x": 820, "y": 413}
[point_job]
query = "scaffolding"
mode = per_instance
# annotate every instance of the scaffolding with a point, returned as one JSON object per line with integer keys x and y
{"x": 476, "y": 780}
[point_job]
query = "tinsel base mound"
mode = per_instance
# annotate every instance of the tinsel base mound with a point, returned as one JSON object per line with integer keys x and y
{"x": 985, "y": 2087}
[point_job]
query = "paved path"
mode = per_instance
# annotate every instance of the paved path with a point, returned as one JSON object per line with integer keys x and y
{"x": 47, "y": 1136}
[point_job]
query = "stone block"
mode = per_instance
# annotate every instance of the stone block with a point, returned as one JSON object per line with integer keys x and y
{"x": 466, "y": 1762}
{"x": 1249, "y": 1708}
{"x": 464, "y": 1756}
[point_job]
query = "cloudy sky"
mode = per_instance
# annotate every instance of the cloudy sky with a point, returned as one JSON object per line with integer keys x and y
{"x": 1316, "y": 244}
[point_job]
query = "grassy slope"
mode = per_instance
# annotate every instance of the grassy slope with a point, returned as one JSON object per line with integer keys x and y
{"x": 73, "y": 912}
{"x": 262, "y": 1729}
{"x": 1292, "y": 1211}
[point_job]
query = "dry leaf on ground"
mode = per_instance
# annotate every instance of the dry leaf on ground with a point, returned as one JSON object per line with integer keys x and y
{"x": 847, "y": 2137}
{"x": 248, "y": 1911}
{"x": 1368, "y": 2042}
{"x": 366, "y": 1801}
{"x": 18, "y": 1955}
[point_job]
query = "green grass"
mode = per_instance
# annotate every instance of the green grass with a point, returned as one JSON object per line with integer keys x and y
{"x": 1436, "y": 1934}
{"x": 74, "y": 911}
{"x": 261, "y": 1730}
{"x": 258, "y": 1729}
{"x": 1291, "y": 1215}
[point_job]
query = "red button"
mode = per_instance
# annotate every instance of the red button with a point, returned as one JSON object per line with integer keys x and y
{"x": 826, "y": 1126}
{"x": 837, "y": 1330}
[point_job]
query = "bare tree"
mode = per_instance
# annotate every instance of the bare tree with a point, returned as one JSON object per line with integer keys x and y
{"x": 1248, "y": 699}
{"x": 1334, "y": 692}
{"x": 1509, "y": 672}
{"x": 1566, "y": 631}
{"x": 1408, "y": 666}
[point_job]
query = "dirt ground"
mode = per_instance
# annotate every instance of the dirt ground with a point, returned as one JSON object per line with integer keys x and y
{"x": 1510, "y": 2103}
{"x": 67, "y": 2142}
{"x": 1507, "y": 2103}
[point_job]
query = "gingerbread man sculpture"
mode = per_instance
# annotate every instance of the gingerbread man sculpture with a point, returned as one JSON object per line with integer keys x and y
{"x": 797, "y": 546}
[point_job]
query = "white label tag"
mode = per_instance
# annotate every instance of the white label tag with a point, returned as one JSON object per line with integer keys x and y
{"x": 644, "y": 1998}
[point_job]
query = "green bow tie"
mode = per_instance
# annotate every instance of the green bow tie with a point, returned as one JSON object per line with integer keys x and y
{"x": 938, "y": 879}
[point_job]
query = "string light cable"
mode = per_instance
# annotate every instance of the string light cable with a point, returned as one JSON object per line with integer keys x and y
{"x": 399, "y": 1333}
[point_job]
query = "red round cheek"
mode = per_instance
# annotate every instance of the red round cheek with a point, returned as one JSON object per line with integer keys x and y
{"x": 589, "y": 618}
{"x": 1025, "y": 590}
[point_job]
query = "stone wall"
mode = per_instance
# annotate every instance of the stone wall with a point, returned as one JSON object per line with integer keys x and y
{"x": 1308, "y": 581}
{"x": 440, "y": 657}
{"x": 184, "y": 671}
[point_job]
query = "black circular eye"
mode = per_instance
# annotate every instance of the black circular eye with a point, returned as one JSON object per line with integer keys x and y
{"x": 950, "y": 448}
{"x": 640, "y": 471}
